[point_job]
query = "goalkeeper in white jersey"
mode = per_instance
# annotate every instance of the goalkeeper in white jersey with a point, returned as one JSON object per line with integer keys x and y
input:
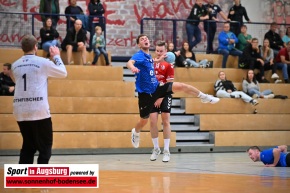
{"x": 30, "y": 104}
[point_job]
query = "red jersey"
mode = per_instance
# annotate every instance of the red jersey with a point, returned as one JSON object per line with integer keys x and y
{"x": 164, "y": 71}
{"x": 282, "y": 52}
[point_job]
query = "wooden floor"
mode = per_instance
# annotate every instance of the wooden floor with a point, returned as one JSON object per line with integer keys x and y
{"x": 186, "y": 172}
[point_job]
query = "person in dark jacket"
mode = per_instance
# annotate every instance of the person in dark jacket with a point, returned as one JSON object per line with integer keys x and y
{"x": 48, "y": 36}
{"x": 198, "y": 12}
{"x": 74, "y": 41}
{"x": 7, "y": 85}
{"x": 210, "y": 25}
{"x": 52, "y": 7}
{"x": 96, "y": 10}
{"x": 252, "y": 58}
{"x": 276, "y": 42}
{"x": 72, "y": 10}
{"x": 236, "y": 14}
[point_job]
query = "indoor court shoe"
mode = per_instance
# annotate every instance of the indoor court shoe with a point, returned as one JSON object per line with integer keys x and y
{"x": 210, "y": 99}
{"x": 277, "y": 81}
{"x": 275, "y": 76}
{"x": 155, "y": 154}
{"x": 135, "y": 138}
{"x": 166, "y": 156}
{"x": 270, "y": 96}
{"x": 254, "y": 102}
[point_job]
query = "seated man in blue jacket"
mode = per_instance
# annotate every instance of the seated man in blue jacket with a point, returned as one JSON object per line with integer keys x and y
{"x": 227, "y": 41}
{"x": 273, "y": 157}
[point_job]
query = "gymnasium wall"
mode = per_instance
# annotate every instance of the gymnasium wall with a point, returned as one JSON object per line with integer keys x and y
{"x": 123, "y": 17}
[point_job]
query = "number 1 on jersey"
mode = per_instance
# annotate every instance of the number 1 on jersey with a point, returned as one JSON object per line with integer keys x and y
{"x": 24, "y": 77}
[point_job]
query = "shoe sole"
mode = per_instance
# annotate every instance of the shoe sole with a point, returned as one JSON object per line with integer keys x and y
{"x": 211, "y": 101}
{"x": 255, "y": 104}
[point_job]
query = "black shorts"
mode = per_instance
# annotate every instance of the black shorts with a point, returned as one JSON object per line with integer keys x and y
{"x": 165, "y": 106}
{"x": 146, "y": 101}
{"x": 288, "y": 160}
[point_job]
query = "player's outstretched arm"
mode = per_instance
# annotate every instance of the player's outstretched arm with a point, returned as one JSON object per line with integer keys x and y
{"x": 130, "y": 65}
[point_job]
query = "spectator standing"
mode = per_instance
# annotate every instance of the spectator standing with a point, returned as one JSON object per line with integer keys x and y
{"x": 7, "y": 85}
{"x": 74, "y": 41}
{"x": 99, "y": 44}
{"x": 96, "y": 11}
{"x": 30, "y": 104}
{"x": 210, "y": 25}
{"x": 51, "y": 7}
{"x": 48, "y": 36}
{"x": 276, "y": 42}
{"x": 227, "y": 41}
{"x": 72, "y": 11}
{"x": 197, "y": 13}
{"x": 236, "y": 14}
{"x": 244, "y": 38}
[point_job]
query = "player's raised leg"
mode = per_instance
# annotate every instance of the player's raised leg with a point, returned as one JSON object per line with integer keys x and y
{"x": 205, "y": 98}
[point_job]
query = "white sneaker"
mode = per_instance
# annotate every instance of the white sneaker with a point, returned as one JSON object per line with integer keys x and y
{"x": 254, "y": 102}
{"x": 275, "y": 76}
{"x": 166, "y": 156}
{"x": 155, "y": 154}
{"x": 210, "y": 99}
{"x": 135, "y": 138}
{"x": 270, "y": 96}
{"x": 278, "y": 81}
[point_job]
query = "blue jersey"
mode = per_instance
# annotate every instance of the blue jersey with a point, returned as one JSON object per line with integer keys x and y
{"x": 146, "y": 82}
{"x": 267, "y": 157}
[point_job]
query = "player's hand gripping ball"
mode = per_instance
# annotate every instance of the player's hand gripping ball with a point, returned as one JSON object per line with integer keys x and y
{"x": 170, "y": 57}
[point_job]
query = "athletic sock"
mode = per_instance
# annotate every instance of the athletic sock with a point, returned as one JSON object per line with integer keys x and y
{"x": 155, "y": 142}
{"x": 166, "y": 144}
{"x": 201, "y": 95}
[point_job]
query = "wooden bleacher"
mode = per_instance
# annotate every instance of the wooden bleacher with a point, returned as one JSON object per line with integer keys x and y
{"x": 208, "y": 87}
{"x": 94, "y": 108}
{"x": 211, "y": 74}
{"x": 10, "y": 55}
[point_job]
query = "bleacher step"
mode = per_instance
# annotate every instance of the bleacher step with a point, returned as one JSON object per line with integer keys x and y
{"x": 184, "y": 127}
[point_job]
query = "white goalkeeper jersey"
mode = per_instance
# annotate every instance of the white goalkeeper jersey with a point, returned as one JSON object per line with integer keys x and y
{"x": 30, "y": 97}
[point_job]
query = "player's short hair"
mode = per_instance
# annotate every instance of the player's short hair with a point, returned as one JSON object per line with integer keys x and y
{"x": 141, "y": 35}
{"x": 161, "y": 43}
{"x": 98, "y": 27}
{"x": 28, "y": 43}
{"x": 8, "y": 65}
{"x": 253, "y": 148}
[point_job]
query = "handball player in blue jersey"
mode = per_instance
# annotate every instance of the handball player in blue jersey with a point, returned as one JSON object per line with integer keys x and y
{"x": 273, "y": 157}
{"x": 149, "y": 89}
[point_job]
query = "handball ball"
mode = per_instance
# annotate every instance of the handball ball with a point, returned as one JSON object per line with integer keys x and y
{"x": 170, "y": 57}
